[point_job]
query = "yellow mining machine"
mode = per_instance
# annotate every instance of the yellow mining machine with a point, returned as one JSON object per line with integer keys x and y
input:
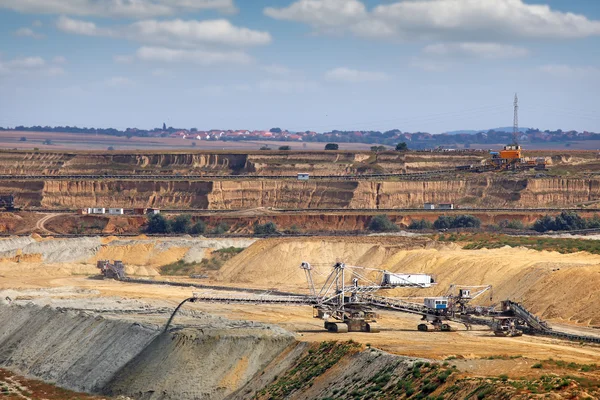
{"x": 511, "y": 157}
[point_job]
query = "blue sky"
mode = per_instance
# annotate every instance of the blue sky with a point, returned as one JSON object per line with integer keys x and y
{"x": 415, "y": 65}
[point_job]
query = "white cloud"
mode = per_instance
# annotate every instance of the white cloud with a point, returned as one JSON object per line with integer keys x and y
{"x": 116, "y": 8}
{"x": 177, "y": 32}
{"x": 276, "y": 69}
{"x": 472, "y": 49}
{"x": 59, "y": 60}
{"x": 37, "y": 23}
{"x": 321, "y": 13}
{"x": 219, "y": 31}
{"x": 489, "y": 20}
{"x": 31, "y": 66}
{"x": 570, "y": 71}
{"x": 200, "y": 57}
{"x": 118, "y": 81}
{"x": 344, "y": 74}
{"x": 28, "y": 32}
{"x": 79, "y": 27}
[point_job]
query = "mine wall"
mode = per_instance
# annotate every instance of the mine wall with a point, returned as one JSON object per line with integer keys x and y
{"x": 87, "y": 352}
{"x": 484, "y": 192}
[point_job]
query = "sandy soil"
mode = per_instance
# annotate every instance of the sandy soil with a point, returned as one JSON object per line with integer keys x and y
{"x": 554, "y": 284}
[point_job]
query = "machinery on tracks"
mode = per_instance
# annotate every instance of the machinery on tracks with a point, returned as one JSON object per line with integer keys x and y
{"x": 352, "y": 307}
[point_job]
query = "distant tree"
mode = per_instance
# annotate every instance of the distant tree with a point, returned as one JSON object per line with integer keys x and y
{"x": 164, "y": 127}
{"x": 275, "y": 130}
{"x": 285, "y": 148}
{"x": 402, "y": 146}
{"x": 546, "y": 223}
{"x": 377, "y": 149}
{"x": 332, "y": 146}
{"x": 422, "y": 224}
{"x": 23, "y": 139}
{"x": 194, "y": 130}
{"x": 268, "y": 228}
{"x": 198, "y": 228}
{"x": 381, "y": 223}
{"x": 110, "y": 148}
{"x": 47, "y": 141}
{"x": 466, "y": 221}
{"x": 443, "y": 222}
{"x": 157, "y": 224}
{"x": 129, "y": 135}
{"x": 265, "y": 147}
{"x": 220, "y": 229}
{"x": 181, "y": 223}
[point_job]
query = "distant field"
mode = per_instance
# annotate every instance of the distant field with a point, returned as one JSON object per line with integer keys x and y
{"x": 74, "y": 141}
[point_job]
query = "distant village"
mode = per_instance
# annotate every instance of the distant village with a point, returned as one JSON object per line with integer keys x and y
{"x": 415, "y": 140}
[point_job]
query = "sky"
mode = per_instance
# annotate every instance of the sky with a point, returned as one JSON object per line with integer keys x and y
{"x": 414, "y": 65}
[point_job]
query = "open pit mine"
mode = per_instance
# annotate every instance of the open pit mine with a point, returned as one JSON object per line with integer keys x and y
{"x": 231, "y": 315}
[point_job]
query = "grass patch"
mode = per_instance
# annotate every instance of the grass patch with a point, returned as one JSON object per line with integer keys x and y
{"x": 216, "y": 260}
{"x": 495, "y": 241}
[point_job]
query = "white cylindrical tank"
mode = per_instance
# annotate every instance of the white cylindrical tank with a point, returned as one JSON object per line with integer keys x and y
{"x": 98, "y": 211}
{"x": 115, "y": 211}
{"x": 422, "y": 280}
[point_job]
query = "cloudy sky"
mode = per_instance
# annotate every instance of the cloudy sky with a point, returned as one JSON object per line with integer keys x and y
{"x": 415, "y": 65}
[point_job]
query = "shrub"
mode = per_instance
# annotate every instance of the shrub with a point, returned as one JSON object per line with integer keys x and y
{"x": 285, "y": 148}
{"x": 381, "y": 223}
{"x": 460, "y": 221}
{"x": 332, "y": 146}
{"x": 402, "y": 146}
{"x": 220, "y": 229}
{"x": 181, "y": 223}
{"x": 512, "y": 224}
{"x": 265, "y": 148}
{"x": 268, "y": 228}
{"x": 23, "y": 139}
{"x": 443, "y": 222}
{"x": 466, "y": 221}
{"x": 110, "y": 148}
{"x": 537, "y": 366}
{"x": 47, "y": 142}
{"x": 157, "y": 224}
{"x": 198, "y": 228}
{"x": 422, "y": 224}
{"x": 566, "y": 221}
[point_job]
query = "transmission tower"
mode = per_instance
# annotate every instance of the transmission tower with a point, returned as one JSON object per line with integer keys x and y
{"x": 516, "y": 122}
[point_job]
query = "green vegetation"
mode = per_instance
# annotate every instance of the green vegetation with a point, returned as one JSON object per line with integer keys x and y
{"x": 268, "y": 228}
{"x": 512, "y": 224}
{"x": 332, "y": 146}
{"x": 181, "y": 224}
{"x": 308, "y": 368}
{"x": 566, "y": 221}
{"x": 198, "y": 228}
{"x": 220, "y": 229}
{"x": 216, "y": 260}
{"x": 285, "y": 148}
{"x": 402, "y": 146}
{"x": 157, "y": 224}
{"x": 458, "y": 221}
{"x": 495, "y": 241}
{"x": 381, "y": 223}
{"x": 420, "y": 225}
{"x": 378, "y": 149}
